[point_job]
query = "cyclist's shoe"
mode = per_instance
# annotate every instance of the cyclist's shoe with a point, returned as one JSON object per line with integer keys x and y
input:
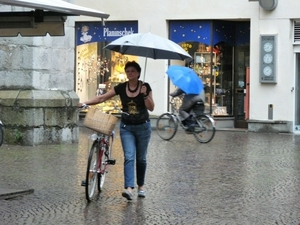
{"x": 127, "y": 194}
{"x": 190, "y": 130}
{"x": 141, "y": 194}
{"x": 190, "y": 124}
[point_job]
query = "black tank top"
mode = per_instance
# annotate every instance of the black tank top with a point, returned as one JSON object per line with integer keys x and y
{"x": 134, "y": 106}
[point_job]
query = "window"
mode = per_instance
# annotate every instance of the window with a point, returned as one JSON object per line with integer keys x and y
{"x": 296, "y": 32}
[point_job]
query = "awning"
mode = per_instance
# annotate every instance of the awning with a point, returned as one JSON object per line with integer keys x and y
{"x": 48, "y": 16}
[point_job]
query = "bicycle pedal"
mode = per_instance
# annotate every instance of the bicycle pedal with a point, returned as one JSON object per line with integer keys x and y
{"x": 111, "y": 161}
{"x": 83, "y": 183}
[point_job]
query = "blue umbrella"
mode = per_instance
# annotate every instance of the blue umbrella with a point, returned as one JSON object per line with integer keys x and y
{"x": 186, "y": 79}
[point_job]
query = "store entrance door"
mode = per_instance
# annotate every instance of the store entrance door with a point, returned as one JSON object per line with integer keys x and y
{"x": 240, "y": 121}
{"x": 241, "y": 63}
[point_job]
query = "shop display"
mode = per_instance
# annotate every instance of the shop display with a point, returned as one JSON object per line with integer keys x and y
{"x": 207, "y": 66}
{"x": 117, "y": 75}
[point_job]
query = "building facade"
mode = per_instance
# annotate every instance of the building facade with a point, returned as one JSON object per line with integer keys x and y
{"x": 246, "y": 55}
{"x": 248, "y": 83}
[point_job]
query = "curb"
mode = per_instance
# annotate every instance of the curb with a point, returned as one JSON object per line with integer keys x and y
{"x": 6, "y": 193}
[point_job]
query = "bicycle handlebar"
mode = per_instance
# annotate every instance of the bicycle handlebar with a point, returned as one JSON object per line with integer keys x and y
{"x": 85, "y": 106}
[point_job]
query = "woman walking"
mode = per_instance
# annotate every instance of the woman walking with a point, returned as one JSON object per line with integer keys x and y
{"x": 135, "y": 127}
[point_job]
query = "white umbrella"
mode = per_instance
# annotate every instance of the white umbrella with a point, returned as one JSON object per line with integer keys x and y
{"x": 148, "y": 45}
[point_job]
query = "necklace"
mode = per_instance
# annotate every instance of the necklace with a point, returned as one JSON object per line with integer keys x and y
{"x": 132, "y": 91}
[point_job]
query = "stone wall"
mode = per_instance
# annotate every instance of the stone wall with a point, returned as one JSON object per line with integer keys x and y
{"x": 37, "y": 97}
{"x": 35, "y": 117}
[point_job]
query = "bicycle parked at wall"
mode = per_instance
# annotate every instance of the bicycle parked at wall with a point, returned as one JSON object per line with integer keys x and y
{"x": 204, "y": 125}
{"x": 100, "y": 153}
{"x": 1, "y": 133}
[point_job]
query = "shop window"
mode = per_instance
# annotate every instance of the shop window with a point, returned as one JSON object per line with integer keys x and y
{"x": 97, "y": 74}
{"x": 99, "y": 70}
{"x": 214, "y": 69}
{"x": 212, "y": 44}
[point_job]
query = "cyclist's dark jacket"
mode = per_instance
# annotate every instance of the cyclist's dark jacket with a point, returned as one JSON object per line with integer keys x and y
{"x": 138, "y": 112}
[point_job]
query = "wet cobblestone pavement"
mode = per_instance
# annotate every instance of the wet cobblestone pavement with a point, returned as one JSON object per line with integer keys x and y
{"x": 237, "y": 178}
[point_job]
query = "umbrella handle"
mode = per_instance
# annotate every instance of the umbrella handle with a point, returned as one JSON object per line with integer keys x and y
{"x": 145, "y": 70}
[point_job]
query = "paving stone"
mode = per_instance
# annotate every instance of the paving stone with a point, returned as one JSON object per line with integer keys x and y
{"x": 237, "y": 178}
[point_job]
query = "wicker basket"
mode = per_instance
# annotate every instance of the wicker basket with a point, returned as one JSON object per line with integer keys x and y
{"x": 99, "y": 121}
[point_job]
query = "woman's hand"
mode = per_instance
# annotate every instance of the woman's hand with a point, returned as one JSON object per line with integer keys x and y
{"x": 144, "y": 90}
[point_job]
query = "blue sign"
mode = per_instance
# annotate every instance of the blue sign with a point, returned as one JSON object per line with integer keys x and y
{"x": 204, "y": 31}
{"x": 242, "y": 33}
{"x": 223, "y": 31}
{"x": 87, "y": 32}
{"x": 193, "y": 30}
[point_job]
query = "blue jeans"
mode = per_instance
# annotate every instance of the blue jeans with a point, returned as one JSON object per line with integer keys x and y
{"x": 135, "y": 140}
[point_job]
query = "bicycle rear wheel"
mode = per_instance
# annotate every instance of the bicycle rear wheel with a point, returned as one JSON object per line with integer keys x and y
{"x": 205, "y": 130}
{"x": 1, "y": 134}
{"x": 91, "y": 173}
{"x": 166, "y": 126}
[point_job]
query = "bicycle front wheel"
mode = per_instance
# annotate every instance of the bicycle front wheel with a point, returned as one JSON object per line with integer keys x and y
{"x": 91, "y": 173}
{"x": 205, "y": 129}
{"x": 166, "y": 126}
{"x": 103, "y": 158}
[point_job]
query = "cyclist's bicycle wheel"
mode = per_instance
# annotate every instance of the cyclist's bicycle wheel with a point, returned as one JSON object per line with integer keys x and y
{"x": 205, "y": 130}
{"x": 1, "y": 134}
{"x": 166, "y": 126}
{"x": 91, "y": 173}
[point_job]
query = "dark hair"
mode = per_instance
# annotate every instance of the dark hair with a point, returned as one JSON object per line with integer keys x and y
{"x": 135, "y": 65}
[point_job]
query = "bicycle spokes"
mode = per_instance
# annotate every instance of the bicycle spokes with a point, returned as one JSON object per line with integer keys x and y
{"x": 166, "y": 126}
{"x": 206, "y": 130}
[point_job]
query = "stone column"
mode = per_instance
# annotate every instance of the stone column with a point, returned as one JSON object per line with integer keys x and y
{"x": 37, "y": 97}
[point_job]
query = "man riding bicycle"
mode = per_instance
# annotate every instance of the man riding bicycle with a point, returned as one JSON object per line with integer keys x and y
{"x": 188, "y": 102}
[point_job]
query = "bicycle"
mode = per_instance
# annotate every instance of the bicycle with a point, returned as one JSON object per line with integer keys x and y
{"x": 1, "y": 133}
{"x": 204, "y": 126}
{"x": 98, "y": 160}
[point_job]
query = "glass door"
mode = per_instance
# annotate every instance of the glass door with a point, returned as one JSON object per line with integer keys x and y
{"x": 240, "y": 82}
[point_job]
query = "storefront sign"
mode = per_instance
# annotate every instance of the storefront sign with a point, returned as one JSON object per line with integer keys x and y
{"x": 87, "y": 32}
{"x": 117, "y": 33}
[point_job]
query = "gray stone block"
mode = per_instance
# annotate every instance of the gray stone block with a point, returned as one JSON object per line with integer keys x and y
{"x": 35, "y": 117}
{"x": 270, "y": 126}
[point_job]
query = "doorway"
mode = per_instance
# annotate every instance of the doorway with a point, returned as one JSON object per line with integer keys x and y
{"x": 297, "y": 95}
{"x": 241, "y": 63}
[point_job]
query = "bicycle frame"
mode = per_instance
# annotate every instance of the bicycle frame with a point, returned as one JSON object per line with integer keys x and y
{"x": 103, "y": 141}
{"x": 174, "y": 111}
{"x": 98, "y": 160}
{"x": 203, "y": 127}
